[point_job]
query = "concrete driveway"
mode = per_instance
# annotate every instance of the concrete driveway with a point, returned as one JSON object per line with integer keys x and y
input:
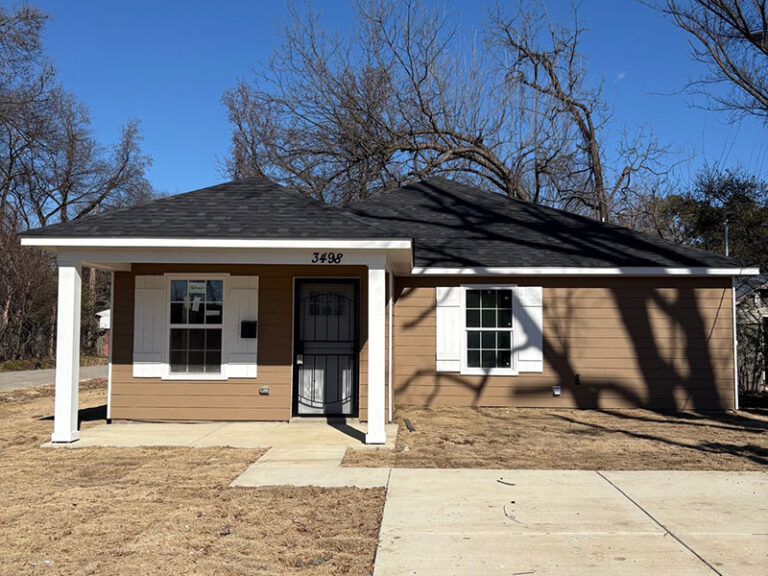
{"x": 506, "y": 523}
{"x": 30, "y": 378}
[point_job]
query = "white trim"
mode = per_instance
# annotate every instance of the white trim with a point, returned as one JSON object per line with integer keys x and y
{"x": 67, "y": 354}
{"x": 390, "y": 339}
{"x": 546, "y": 271}
{"x": 327, "y": 243}
{"x": 466, "y": 370}
{"x": 377, "y": 298}
{"x": 211, "y": 376}
{"x": 111, "y": 339}
{"x": 735, "y": 349}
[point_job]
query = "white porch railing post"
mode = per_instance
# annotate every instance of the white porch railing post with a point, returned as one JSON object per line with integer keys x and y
{"x": 377, "y": 432}
{"x": 67, "y": 353}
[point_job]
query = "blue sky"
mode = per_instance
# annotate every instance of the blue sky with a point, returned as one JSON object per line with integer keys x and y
{"x": 167, "y": 64}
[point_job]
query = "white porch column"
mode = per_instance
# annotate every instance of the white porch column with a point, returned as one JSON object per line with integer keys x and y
{"x": 377, "y": 433}
{"x": 67, "y": 353}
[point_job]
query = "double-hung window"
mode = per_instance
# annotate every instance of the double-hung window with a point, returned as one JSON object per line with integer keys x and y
{"x": 196, "y": 321}
{"x": 489, "y": 330}
{"x": 488, "y": 338}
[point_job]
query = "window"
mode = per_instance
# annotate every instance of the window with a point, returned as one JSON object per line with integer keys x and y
{"x": 196, "y": 326}
{"x": 329, "y": 303}
{"x": 488, "y": 326}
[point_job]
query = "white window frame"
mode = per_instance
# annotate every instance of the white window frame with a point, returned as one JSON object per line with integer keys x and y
{"x": 466, "y": 370}
{"x": 167, "y": 374}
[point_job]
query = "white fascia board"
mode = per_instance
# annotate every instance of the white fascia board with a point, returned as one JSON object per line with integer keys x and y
{"x": 363, "y": 244}
{"x": 628, "y": 271}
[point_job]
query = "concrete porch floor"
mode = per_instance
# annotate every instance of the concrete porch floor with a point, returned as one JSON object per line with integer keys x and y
{"x": 303, "y": 452}
{"x": 297, "y": 434}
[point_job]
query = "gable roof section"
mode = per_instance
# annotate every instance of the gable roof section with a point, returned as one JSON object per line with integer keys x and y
{"x": 458, "y": 226}
{"x": 253, "y": 208}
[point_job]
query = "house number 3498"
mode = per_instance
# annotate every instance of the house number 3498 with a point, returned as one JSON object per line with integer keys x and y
{"x": 327, "y": 257}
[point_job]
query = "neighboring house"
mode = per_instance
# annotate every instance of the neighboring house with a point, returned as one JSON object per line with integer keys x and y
{"x": 752, "y": 322}
{"x": 102, "y": 344}
{"x": 249, "y": 301}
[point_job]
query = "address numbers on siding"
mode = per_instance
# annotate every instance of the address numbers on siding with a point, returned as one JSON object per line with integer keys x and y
{"x": 327, "y": 257}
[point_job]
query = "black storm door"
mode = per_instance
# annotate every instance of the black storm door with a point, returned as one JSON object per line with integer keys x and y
{"x": 325, "y": 348}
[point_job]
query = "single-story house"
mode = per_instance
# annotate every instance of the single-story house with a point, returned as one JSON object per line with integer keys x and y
{"x": 250, "y": 301}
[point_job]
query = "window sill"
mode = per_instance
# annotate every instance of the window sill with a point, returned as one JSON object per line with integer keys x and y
{"x": 195, "y": 376}
{"x": 489, "y": 372}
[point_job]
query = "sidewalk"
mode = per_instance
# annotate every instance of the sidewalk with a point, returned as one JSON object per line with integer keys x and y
{"x": 555, "y": 522}
{"x": 30, "y": 378}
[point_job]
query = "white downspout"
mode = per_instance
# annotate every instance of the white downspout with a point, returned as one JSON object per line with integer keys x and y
{"x": 735, "y": 347}
{"x": 390, "y": 338}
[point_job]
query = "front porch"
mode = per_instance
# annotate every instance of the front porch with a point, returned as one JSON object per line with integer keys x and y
{"x": 300, "y": 433}
{"x": 257, "y": 374}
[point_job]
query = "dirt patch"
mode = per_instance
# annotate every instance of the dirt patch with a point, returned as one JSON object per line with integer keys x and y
{"x": 574, "y": 440}
{"x": 163, "y": 510}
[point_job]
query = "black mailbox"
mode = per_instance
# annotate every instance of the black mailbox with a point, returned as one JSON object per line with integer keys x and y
{"x": 248, "y": 328}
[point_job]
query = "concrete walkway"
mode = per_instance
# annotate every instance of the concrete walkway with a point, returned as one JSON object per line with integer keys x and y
{"x": 501, "y": 522}
{"x": 301, "y": 452}
{"x": 309, "y": 467}
{"x": 30, "y": 378}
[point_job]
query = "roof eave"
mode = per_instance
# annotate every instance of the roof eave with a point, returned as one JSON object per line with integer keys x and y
{"x": 277, "y": 243}
{"x": 582, "y": 271}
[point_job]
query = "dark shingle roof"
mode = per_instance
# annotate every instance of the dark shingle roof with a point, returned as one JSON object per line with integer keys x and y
{"x": 253, "y": 208}
{"x": 455, "y": 225}
{"x": 451, "y": 224}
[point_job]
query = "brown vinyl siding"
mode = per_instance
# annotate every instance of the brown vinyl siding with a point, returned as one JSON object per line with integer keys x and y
{"x": 654, "y": 342}
{"x": 236, "y": 398}
{"x": 662, "y": 343}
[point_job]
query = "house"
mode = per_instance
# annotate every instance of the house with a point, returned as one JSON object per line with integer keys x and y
{"x": 105, "y": 322}
{"x": 752, "y": 330}
{"x": 250, "y": 301}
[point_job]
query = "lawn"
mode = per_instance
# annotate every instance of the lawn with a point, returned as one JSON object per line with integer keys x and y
{"x": 170, "y": 511}
{"x": 574, "y": 440}
{"x": 112, "y": 511}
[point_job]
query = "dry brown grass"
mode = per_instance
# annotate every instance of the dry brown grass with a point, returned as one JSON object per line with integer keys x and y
{"x": 163, "y": 510}
{"x": 574, "y": 439}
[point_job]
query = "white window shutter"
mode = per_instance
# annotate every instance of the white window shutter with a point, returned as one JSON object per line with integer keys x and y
{"x": 449, "y": 329}
{"x": 149, "y": 326}
{"x": 242, "y": 304}
{"x": 528, "y": 324}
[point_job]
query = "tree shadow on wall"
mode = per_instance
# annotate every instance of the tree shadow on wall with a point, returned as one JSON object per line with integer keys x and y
{"x": 674, "y": 348}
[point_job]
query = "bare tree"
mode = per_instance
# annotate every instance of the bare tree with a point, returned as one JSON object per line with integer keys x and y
{"x": 404, "y": 96}
{"x": 731, "y": 38}
{"x": 399, "y": 98}
{"x": 545, "y": 57}
{"x": 52, "y": 169}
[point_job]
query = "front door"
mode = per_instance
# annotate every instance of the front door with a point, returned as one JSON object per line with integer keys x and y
{"x": 325, "y": 347}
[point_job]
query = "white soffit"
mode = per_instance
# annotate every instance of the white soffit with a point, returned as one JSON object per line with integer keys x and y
{"x": 363, "y": 244}
{"x": 626, "y": 271}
